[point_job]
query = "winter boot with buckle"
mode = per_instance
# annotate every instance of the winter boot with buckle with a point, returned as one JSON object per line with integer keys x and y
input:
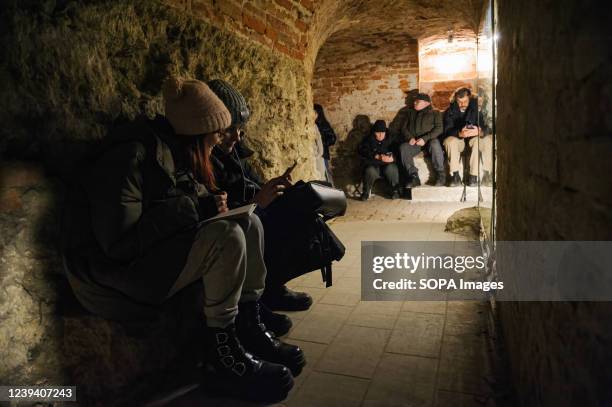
{"x": 232, "y": 371}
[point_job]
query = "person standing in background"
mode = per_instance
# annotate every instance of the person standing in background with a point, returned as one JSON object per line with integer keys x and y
{"x": 328, "y": 138}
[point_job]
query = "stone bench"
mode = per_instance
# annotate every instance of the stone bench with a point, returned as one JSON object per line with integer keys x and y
{"x": 425, "y": 193}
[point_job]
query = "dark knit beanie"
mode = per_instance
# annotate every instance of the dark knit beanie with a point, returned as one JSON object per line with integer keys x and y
{"x": 379, "y": 126}
{"x": 423, "y": 96}
{"x": 233, "y": 100}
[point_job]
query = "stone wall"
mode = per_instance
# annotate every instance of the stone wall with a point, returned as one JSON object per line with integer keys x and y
{"x": 70, "y": 71}
{"x": 554, "y": 127}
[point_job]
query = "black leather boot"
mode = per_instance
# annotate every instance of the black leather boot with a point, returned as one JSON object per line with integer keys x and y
{"x": 413, "y": 181}
{"x": 230, "y": 370}
{"x": 262, "y": 343}
{"x": 487, "y": 181}
{"x": 455, "y": 180}
{"x": 278, "y": 323}
{"x": 395, "y": 194}
{"x": 283, "y": 299}
{"x": 441, "y": 181}
{"x": 473, "y": 181}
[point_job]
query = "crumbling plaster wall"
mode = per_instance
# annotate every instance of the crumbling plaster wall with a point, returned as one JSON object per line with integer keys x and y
{"x": 554, "y": 141}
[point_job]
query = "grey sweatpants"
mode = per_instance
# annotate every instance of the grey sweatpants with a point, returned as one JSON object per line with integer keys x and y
{"x": 228, "y": 256}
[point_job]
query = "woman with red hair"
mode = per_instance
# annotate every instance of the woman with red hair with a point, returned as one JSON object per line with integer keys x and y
{"x": 140, "y": 242}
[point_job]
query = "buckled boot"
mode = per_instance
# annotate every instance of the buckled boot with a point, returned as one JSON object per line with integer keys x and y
{"x": 233, "y": 371}
{"x": 263, "y": 343}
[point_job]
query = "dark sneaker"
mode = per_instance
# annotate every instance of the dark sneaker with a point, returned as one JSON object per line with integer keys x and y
{"x": 264, "y": 344}
{"x": 364, "y": 196}
{"x": 441, "y": 180}
{"x": 395, "y": 194}
{"x": 284, "y": 299}
{"x": 473, "y": 181}
{"x": 278, "y": 323}
{"x": 232, "y": 371}
{"x": 455, "y": 180}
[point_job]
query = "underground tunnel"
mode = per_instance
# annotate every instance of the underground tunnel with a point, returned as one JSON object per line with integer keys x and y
{"x": 204, "y": 95}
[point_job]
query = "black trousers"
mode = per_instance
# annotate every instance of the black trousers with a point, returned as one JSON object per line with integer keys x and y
{"x": 408, "y": 152}
{"x": 372, "y": 173}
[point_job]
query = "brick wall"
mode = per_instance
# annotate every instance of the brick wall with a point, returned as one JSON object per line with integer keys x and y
{"x": 279, "y": 24}
{"x": 444, "y": 67}
{"x": 368, "y": 88}
{"x": 369, "y": 75}
{"x": 554, "y": 98}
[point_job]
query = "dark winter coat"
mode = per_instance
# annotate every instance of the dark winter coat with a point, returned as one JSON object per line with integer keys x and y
{"x": 129, "y": 226}
{"x": 454, "y": 120}
{"x": 235, "y": 176}
{"x": 370, "y": 147}
{"x": 328, "y": 136}
{"x": 426, "y": 124}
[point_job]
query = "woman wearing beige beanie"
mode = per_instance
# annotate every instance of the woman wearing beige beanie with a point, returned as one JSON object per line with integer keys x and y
{"x": 139, "y": 243}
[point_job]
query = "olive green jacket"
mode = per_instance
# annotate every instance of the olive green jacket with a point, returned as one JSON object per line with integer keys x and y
{"x": 129, "y": 228}
{"x": 426, "y": 124}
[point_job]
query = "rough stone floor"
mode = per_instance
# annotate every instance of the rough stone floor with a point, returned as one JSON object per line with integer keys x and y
{"x": 386, "y": 353}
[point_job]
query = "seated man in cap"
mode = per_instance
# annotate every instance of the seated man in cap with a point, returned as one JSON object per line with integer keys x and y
{"x": 376, "y": 153}
{"x": 422, "y": 127}
{"x": 463, "y": 122}
{"x": 243, "y": 185}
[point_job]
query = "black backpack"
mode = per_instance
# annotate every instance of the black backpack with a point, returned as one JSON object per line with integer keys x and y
{"x": 299, "y": 228}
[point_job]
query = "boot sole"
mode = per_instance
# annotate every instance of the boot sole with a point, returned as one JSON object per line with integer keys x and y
{"x": 216, "y": 385}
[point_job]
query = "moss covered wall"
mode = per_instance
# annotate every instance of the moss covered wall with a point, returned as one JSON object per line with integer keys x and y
{"x": 72, "y": 68}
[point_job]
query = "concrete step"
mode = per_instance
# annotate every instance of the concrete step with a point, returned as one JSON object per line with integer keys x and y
{"x": 428, "y": 193}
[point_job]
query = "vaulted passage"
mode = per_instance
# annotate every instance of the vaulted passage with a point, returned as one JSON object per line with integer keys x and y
{"x": 534, "y": 169}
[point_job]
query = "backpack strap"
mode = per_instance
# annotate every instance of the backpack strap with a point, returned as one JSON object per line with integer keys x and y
{"x": 326, "y": 270}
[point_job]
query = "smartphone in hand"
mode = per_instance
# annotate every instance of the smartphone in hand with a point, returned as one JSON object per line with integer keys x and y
{"x": 289, "y": 169}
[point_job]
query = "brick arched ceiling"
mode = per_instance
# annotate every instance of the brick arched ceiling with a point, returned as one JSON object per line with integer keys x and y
{"x": 351, "y": 27}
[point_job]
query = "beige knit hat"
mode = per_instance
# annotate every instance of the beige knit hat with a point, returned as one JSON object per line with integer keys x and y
{"x": 192, "y": 108}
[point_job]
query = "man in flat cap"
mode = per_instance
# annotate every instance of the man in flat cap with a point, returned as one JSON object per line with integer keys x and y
{"x": 420, "y": 130}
